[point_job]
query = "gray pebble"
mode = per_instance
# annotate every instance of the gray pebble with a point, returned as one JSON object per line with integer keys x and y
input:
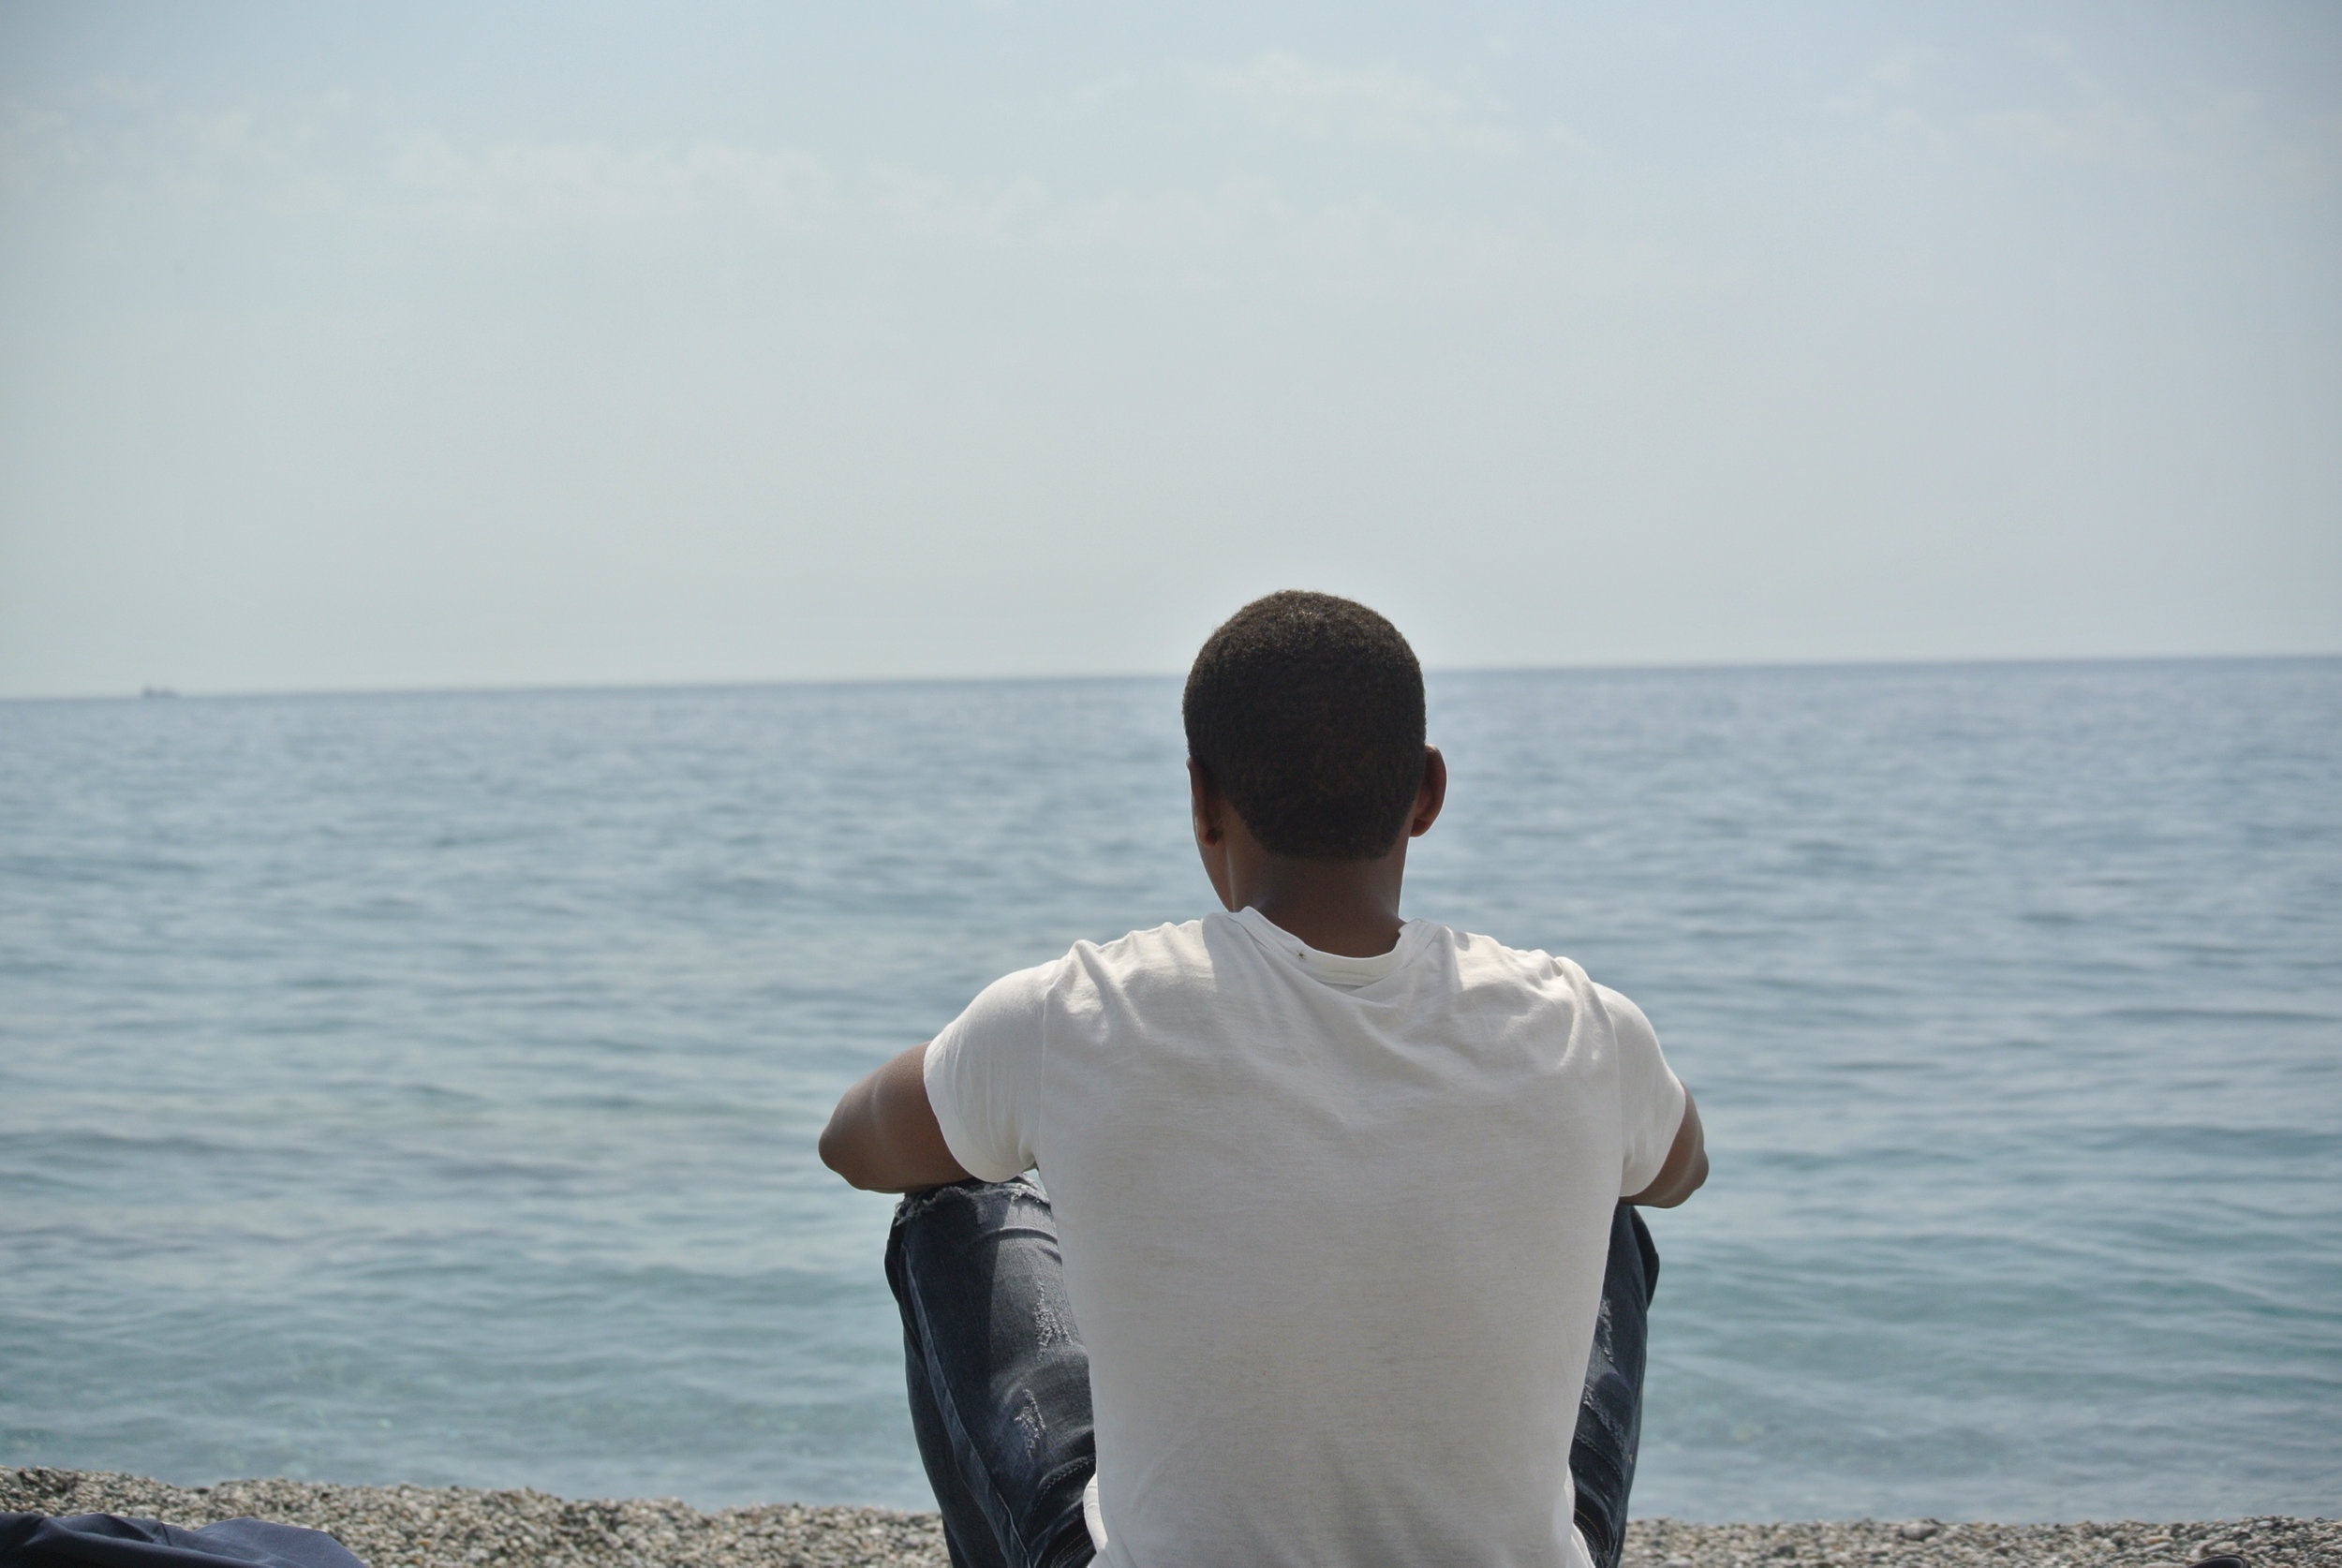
{"x": 423, "y": 1527}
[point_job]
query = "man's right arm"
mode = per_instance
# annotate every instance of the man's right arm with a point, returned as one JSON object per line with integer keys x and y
{"x": 1686, "y": 1167}
{"x": 883, "y": 1136}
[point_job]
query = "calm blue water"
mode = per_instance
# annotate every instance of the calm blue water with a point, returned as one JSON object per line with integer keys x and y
{"x": 422, "y": 1087}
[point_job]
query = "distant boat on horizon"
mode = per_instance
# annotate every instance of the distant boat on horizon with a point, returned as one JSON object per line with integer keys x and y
{"x": 156, "y": 692}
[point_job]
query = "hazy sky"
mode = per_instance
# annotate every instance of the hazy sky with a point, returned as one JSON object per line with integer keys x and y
{"x": 431, "y": 345}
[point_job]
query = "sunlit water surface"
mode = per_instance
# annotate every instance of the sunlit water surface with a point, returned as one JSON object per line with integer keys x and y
{"x": 424, "y": 1088}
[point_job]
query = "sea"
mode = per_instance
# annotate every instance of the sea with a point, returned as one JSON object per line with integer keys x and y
{"x": 424, "y": 1088}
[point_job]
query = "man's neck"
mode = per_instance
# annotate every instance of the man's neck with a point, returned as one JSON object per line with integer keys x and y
{"x": 1350, "y": 907}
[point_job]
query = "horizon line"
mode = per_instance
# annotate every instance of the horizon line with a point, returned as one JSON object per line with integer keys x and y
{"x": 1651, "y": 667}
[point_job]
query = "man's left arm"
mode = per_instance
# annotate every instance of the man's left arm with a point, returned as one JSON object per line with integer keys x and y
{"x": 1648, "y": 1096}
{"x": 883, "y": 1136}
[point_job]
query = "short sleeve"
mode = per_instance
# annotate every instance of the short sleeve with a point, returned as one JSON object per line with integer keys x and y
{"x": 982, "y": 1074}
{"x": 1650, "y": 1096}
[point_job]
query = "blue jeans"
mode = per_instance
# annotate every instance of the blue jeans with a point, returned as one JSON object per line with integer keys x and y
{"x": 1000, "y": 1383}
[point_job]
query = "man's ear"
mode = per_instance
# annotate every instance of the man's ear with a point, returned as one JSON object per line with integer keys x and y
{"x": 1431, "y": 795}
{"x": 1204, "y": 805}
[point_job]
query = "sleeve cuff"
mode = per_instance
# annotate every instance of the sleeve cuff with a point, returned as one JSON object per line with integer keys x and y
{"x": 1643, "y": 1172}
{"x": 957, "y": 1136}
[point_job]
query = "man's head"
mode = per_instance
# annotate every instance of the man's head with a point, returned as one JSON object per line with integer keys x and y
{"x": 1305, "y": 712}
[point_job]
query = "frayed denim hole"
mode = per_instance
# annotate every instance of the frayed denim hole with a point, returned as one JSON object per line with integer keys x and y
{"x": 912, "y": 1204}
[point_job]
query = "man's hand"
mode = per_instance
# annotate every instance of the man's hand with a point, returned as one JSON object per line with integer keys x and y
{"x": 883, "y": 1136}
{"x": 1686, "y": 1167}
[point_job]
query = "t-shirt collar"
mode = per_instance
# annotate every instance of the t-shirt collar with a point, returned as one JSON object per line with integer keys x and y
{"x": 1337, "y": 969}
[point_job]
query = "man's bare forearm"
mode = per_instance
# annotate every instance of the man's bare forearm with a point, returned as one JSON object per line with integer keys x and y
{"x": 883, "y": 1136}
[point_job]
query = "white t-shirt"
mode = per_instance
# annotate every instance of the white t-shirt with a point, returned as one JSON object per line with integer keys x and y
{"x": 1334, "y": 1228}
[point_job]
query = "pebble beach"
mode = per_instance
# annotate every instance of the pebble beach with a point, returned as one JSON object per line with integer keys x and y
{"x": 424, "y": 1527}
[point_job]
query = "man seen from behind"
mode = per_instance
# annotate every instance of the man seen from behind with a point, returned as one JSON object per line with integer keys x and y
{"x": 1339, "y": 1262}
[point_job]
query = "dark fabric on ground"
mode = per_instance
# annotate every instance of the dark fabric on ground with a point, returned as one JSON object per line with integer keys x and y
{"x": 111, "y": 1541}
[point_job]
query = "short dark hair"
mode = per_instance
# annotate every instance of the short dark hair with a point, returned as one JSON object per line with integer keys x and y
{"x": 1306, "y": 712}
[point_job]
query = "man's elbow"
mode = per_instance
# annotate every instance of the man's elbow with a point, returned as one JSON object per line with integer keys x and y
{"x": 840, "y": 1152}
{"x": 1671, "y": 1194}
